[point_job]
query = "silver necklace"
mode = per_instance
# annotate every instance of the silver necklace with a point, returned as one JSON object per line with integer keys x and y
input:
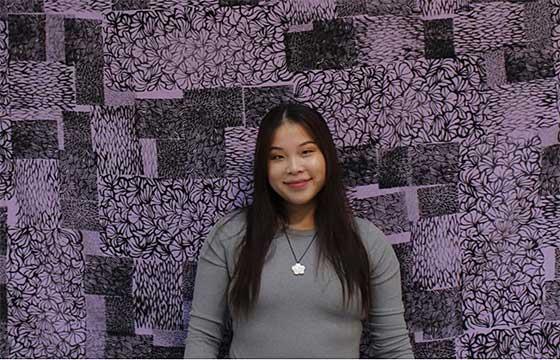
{"x": 298, "y": 268}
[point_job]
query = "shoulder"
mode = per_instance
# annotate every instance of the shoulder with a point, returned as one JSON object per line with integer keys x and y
{"x": 373, "y": 238}
{"x": 229, "y": 226}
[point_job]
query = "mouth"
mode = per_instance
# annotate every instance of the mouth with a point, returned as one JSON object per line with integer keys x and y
{"x": 298, "y": 184}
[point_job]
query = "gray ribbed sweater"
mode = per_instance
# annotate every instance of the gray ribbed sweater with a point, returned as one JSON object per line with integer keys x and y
{"x": 295, "y": 316}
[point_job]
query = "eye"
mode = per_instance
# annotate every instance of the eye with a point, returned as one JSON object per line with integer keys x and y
{"x": 308, "y": 151}
{"x": 275, "y": 157}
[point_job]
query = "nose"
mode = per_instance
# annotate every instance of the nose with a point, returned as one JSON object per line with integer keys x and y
{"x": 294, "y": 165}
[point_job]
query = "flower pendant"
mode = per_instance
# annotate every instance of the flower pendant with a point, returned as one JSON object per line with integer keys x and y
{"x": 298, "y": 269}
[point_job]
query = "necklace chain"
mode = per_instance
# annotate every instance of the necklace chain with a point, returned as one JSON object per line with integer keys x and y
{"x": 291, "y": 248}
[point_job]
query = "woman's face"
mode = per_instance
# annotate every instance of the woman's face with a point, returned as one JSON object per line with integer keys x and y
{"x": 296, "y": 166}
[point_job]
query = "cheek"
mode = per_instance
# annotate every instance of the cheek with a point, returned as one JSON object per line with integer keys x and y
{"x": 273, "y": 173}
{"x": 319, "y": 167}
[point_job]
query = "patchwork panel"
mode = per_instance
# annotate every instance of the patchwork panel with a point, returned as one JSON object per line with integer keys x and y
{"x": 438, "y": 200}
{"x": 551, "y": 303}
{"x": 27, "y": 37}
{"x": 41, "y": 85}
{"x": 434, "y": 349}
{"x": 114, "y": 141}
{"x": 37, "y": 193}
{"x": 359, "y": 164}
{"x": 394, "y": 170}
{"x": 78, "y": 162}
{"x": 437, "y": 252}
{"x": 437, "y": 313}
{"x": 330, "y": 45}
{"x": 550, "y": 174}
{"x": 388, "y": 212}
{"x": 434, "y": 164}
{"x": 189, "y": 118}
{"x": 34, "y": 139}
{"x": 438, "y": 38}
{"x": 84, "y": 51}
{"x": 158, "y": 296}
{"x": 108, "y": 275}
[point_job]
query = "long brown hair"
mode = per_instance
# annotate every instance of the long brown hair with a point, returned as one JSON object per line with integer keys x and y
{"x": 338, "y": 238}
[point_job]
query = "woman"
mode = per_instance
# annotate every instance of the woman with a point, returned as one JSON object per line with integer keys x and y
{"x": 295, "y": 269}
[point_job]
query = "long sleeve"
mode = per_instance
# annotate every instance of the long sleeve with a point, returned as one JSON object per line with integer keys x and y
{"x": 209, "y": 299}
{"x": 386, "y": 316}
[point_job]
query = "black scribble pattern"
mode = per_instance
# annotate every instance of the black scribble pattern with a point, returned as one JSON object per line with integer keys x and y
{"x": 384, "y": 39}
{"x": 534, "y": 340}
{"x": 530, "y": 105}
{"x": 203, "y": 157}
{"x": 157, "y": 294}
{"x": 79, "y": 214}
{"x": 40, "y": 85}
{"x": 44, "y": 289}
{"x": 191, "y": 117}
{"x": 344, "y": 98}
{"x": 442, "y": 349}
{"x": 4, "y": 58}
{"x": 350, "y": 7}
{"x": 307, "y": 11}
{"x": 534, "y": 59}
{"x": 437, "y": 313}
{"x": 37, "y": 193}
{"x": 69, "y": 6}
{"x": 20, "y": 6}
{"x": 180, "y": 4}
{"x": 550, "y": 173}
{"x": 84, "y": 50}
{"x": 120, "y": 5}
{"x": 439, "y": 8}
{"x": 389, "y": 102}
{"x": 438, "y": 200}
{"x": 504, "y": 20}
{"x": 394, "y": 169}
{"x": 434, "y": 163}
{"x": 119, "y": 315}
{"x": 165, "y": 219}
{"x": 34, "y": 139}
{"x": 406, "y": 262}
{"x": 240, "y": 146}
{"x": 106, "y": 275}
{"x": 552, "y": 300}
{"x": 6, "y": 159}
{"x": 258, "y": 100}
{"x": 502, "y": 265}
{"x": 494, "y": 71}
{"x": 359, "y": 164}
{"x": 126, "y": 346}
{"x": 202, "y": 47}
{"x": 115, "y": 142}
{"x": 78, "y": 162}
{"x": 329, "y": 45}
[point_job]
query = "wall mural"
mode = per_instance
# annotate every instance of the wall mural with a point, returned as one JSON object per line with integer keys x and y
{"x": 127, "y": 129}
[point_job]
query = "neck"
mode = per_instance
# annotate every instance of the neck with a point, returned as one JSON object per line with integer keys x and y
{"x": 301, "y": 218}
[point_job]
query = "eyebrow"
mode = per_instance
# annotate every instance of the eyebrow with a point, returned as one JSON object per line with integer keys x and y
{"x": 302, "y": 144}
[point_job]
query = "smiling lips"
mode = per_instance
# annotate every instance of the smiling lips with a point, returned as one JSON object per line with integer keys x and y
{"x": 298, "y": 184}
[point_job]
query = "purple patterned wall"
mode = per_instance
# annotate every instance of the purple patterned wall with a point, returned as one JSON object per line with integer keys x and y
{"x": 126, "y": 131}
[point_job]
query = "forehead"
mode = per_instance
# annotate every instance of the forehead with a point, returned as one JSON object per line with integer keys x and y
{"x": 290, "y": 133}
